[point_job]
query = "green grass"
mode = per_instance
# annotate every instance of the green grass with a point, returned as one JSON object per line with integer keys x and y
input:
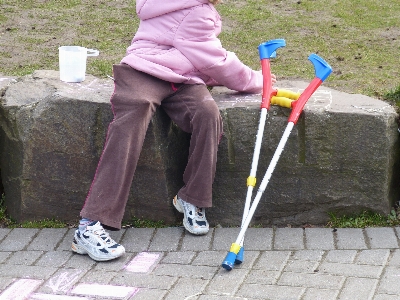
{"x": 143, "y": 223}
{"x": 358, "y": 38}
{"x": 393, "y": 96}
{"x": 364, "y": 219}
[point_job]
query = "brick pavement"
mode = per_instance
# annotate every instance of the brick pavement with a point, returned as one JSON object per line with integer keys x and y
{"x": 168, "y": 264}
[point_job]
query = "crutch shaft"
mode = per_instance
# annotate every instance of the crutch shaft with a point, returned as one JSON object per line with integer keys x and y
{"x": 265, "y": 181}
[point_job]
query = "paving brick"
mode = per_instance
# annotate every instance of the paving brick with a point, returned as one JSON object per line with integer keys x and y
{"x": 202, "y": 272}
{"x": 270, "y": 292}
{"x": 166, "y": 239}
{"x": 394, "y": 258}
{"x": 149, "y": 294}
{"x": 358, "y": 289}
{"x": 351, "y": 270}
{"x": 325, "y": 294}
{"x": 117, "y": 235}
{"x": 21, "y": 271}
{"x": 4, "y": 232}
{"x": 78, "y": 261}
{"x": 137, "y": 239}
{"x": 187, "y": 289}
{"x": 382, "y": 238}
{"x": 341, "y": 256}
{"x": 272, "y": 260}
{"x": 311, "y": 255}
{"x": 389, "y": 283}
{"x": 288, "y": 239}
{"x": 18, "y": 239}
{"x": 4, "y": 256}
{"x": 224, "y": 237}
{"x": 301, "y": 266}
{"x": 54, "y": 258}
{"x": 24, "y": 257}
{"x": 315, "y": 280}
{"x": 209, "y": 258}
{"x": 192, "y": 242}
{"x": 5, "y": 282}
{"x": 319, "y": 238}
{"x": 178, "y": 258}
{"x": 217, "y": 297}
{"x": 226, "y": 282}
{"x": 47, "y": 239}
{"x": 258, "y": 239}
{"x": 141, "y": 280}
{"x": 350, "y": 238}
{"x": 118, "y": 264}
{"x": 98, "y": 277}
{"x": 65, "y": 243}
{"x": 262, "y": 277}
{"x": 377, "y": 257}
{"x": 386, "y": 297}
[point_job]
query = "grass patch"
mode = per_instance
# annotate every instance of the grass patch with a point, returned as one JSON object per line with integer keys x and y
{"x": 358, "y": 38}
{"x": 4, "y": 220}
{"x": 394, "y": 96}
{"x": 143, "y": 223}
{"x": 46, "y": 223}
{"x": 365, "y": 219}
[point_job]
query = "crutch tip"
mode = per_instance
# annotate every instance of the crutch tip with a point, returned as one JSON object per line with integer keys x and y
{"x": 240, "y": 256}
{"x": 229, "y": 261}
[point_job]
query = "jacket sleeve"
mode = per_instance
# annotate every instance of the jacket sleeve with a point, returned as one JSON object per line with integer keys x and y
{"x": 196, "y": 38}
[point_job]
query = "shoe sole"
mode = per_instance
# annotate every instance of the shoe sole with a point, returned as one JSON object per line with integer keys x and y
{"x": 187, "y": 226}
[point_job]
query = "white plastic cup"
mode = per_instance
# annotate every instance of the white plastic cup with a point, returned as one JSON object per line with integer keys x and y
{"x": 72, "y": 61}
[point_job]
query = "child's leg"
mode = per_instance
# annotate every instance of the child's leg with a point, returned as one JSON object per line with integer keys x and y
{"x": 194, "y": 110}
{"x": 135, "y": 98}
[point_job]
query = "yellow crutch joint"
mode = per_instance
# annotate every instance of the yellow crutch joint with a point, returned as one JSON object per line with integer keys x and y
{"x": 235, "y": 248}
{"x": 251, "y": 181}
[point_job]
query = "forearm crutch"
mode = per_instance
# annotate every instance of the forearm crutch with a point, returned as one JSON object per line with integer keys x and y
{"x": 322, "y": 71}
{"x": 269, "y": 96}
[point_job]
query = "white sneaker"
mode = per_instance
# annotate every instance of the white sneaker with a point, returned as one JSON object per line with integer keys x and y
{"x": 194, "y": 217}
{"x": 97, "y": 243}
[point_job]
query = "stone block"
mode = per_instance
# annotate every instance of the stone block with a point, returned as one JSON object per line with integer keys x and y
{"x": 341, "y": 156}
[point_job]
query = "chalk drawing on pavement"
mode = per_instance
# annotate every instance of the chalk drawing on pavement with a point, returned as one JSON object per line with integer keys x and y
{"x": 55, "y": 297}
{"x": 63, "y": 282}
{"x": 20, "y": 289}
{"x": 143, "y": 262}
{"x": 117, "y": 292}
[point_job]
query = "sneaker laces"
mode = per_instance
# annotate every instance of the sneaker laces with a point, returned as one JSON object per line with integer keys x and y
{"x": 199, "y": 212}
{"x": 99, "y": 231}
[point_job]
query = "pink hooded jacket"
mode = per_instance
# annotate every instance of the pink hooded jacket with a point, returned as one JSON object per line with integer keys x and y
{"x": 177, "y": 41}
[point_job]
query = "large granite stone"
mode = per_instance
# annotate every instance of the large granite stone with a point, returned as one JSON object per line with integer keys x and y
{"x": 342, "y": 155}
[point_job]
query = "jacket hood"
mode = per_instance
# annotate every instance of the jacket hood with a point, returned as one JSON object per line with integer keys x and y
{"x": 147, "y": 9}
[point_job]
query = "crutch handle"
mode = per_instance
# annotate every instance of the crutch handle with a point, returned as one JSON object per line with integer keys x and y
{"x": 287, "y": 94}
{"x": 282, "y": 101}
{"x": 266, "y": 51}
{"x": 322, "y": 71}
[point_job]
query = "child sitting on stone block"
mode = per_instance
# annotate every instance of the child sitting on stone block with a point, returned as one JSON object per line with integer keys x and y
{"x": 175, "y": 54}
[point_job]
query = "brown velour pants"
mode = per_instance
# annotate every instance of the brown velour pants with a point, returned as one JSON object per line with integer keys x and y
{"x": 134, "y": 101}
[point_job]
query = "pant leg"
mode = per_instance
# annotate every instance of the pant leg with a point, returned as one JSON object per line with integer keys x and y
{"x": 194, "y": 110}
{"x": 134, "y": 101}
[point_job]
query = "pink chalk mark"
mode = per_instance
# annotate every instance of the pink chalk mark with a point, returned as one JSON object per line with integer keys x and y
{"x": 55, "y": 297}
{"x": 104, "y": 290}
{"x": 20, "y": 289}
{"x": 142, "y": 262}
